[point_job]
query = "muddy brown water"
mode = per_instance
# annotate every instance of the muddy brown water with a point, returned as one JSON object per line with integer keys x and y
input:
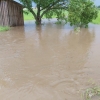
{"x": 48, "y": 62}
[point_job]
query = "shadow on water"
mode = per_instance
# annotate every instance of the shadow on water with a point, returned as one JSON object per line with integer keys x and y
{"x": 48, "y": 62}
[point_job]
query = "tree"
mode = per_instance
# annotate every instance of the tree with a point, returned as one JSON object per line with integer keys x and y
{"x": 49, "y": 8}
{"x": 81, "y": 12}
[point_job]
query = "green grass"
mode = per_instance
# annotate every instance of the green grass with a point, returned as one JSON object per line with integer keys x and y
{"x": 97, "y": 20}
{"x": 30, "y": 17}
{"x": 4, "y": 28}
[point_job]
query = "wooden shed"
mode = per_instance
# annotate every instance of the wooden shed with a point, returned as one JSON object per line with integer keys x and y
{"x": 11, "y": 13}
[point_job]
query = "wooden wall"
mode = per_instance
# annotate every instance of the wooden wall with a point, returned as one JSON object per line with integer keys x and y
{"x": 3, "y": 13}
{"x": 11, "y": 13}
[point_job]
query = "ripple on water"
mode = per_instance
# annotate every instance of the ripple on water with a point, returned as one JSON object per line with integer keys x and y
{"x": 48, "y": 62}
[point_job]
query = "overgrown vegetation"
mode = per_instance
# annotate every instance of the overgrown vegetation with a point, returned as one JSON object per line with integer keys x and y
{"x": 6, "y": 28}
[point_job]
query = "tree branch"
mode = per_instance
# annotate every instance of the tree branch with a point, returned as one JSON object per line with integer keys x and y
{"x": 49, "y": 7}
{"x": 27, "y": 5}
{"x": 32, "y": 11}
{"x": 58, "y": 7}
{"x": 54, "y": 7}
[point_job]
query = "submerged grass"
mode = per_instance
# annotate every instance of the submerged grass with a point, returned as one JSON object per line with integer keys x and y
{"x": 91, "y": 92}
{"x": 6, "y": 28}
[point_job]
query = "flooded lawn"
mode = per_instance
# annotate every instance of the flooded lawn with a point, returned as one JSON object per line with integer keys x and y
{"x": 48, "y": 62}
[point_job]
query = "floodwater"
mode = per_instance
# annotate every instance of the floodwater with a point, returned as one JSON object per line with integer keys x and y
{"x": 48, "y": 62}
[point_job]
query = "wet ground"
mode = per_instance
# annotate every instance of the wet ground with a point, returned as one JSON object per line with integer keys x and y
{"x": 48, "y": 62}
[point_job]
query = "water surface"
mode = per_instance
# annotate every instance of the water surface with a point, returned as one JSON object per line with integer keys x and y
{"x": 48, "y": 62}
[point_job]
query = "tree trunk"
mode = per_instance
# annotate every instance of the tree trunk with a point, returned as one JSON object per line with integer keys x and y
{"x": 38, "y": 20}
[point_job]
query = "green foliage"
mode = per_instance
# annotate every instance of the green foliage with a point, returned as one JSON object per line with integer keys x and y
{"x": 59, "y": 14}
{"x": 27, "y": 15}
{"x": 81, "y": 12}
{"x": 97, "y": 20}
{"x": 49, "y": 8}
{"x": 4, "y": 28}
{"x": 25, "y": 11}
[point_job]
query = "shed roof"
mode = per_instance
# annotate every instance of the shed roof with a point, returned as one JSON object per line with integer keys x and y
{"x": 16, "y": 2}
{"x": 13, "y": 2}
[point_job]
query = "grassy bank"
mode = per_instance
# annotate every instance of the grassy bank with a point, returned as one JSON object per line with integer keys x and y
{"x": 4, "y": 28}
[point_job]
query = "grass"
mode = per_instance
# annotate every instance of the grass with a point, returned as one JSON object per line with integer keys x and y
{"x": 97, "y": 20}
{"x": 30, "y": 17}
{"x": 6, "y": 28}
{"x": 91, "y": 92}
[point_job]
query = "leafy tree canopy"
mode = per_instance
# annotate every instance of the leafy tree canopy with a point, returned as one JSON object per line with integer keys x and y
{"x": 81, "y": 12}
{"x": 49, "y": 8}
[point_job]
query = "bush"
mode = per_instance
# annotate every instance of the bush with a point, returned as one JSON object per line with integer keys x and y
{"x": 81, "y": 12}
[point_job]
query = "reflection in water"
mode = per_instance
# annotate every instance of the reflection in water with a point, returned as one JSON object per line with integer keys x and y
{"x": 48, "y": 62}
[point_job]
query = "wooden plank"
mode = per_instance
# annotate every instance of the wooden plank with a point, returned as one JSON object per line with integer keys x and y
{"x": 11, "y": 13}
{"x": 0, "y": 13}
{"x": 5, "y": 17}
